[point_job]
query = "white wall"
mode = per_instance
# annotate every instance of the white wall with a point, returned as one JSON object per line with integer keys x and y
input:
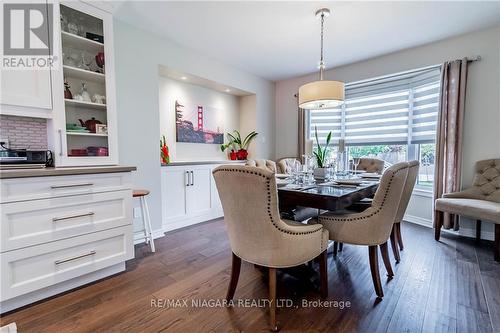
{"x": 482, "y": 136}
{"x": 138, "y": 55}
{"x": 228, "y": 115}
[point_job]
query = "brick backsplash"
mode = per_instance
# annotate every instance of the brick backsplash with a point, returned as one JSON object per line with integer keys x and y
{"x": 24, "y": 132}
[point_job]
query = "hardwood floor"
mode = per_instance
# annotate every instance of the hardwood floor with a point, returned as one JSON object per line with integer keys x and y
{"x": 447, "y": 286}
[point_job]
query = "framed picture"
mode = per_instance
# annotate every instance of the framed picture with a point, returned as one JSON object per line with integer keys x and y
{"x": 101, "y": 129}
{"x": 196, "y": 123}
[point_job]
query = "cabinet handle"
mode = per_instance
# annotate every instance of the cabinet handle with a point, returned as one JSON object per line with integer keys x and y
{"x": 58, "y": 262}
{"x": 71, "y": 185}
{"x": 60, "y": 143}
{"x": 188, "y": 180}
{"x": 192, "y": 178}
{"x": 55, "y": 219}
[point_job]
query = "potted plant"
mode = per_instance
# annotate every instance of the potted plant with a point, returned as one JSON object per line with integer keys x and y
{"x": 321, "y": 155}
{"x": 238, "y": 144}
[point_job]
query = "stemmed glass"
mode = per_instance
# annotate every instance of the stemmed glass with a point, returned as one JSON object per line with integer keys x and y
{"x": 355, "y": 162}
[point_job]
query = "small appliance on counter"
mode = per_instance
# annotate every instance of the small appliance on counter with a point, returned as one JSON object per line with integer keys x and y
{"x": 22, "y": 158}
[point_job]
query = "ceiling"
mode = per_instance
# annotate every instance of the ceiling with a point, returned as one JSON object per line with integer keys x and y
{"x": 278, "y": 40}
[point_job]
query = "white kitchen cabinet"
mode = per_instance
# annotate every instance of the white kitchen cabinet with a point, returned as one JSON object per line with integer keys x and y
{"x": 75, "y": 146}
{"x": 189, "y": 195}
{"x": 40, "y": 93}
{"x": 27, "y": 92}
{"x": 60, "y": 232}
{"x": 26, "y": 89}
{"x": 198, "y": 192}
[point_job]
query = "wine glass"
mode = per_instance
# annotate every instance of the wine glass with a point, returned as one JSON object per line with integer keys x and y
{"x": 355, "y": 162}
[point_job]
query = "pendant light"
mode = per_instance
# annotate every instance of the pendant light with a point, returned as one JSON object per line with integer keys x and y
{"x": 321, "y": 94}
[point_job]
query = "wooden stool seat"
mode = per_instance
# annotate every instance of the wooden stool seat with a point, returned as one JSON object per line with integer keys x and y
{"x": 139, "y": 193}
{"x": 146, "y": 218}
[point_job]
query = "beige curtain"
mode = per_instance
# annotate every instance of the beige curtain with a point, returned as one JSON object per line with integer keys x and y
{"x": 301, "y": 130}
{"x": 449, "y": 136}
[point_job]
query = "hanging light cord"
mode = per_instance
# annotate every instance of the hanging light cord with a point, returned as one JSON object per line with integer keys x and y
{"x": 321, "y": 62}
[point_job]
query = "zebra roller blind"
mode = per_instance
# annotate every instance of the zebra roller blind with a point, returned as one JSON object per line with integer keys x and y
{"x": 397, "y": 109}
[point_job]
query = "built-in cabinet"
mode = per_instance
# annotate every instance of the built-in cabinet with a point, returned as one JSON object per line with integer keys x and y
{"x": 82, "y": 44}
{"x": 59, "y": 232}
{"x": 86, "y": 40}
{"x": 189, "y": 195}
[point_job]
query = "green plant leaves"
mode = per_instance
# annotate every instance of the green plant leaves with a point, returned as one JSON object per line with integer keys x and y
{"x": 321, "y": 153}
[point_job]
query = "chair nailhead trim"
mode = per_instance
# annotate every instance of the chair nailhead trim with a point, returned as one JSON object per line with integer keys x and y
{"x": 269, "y": 196}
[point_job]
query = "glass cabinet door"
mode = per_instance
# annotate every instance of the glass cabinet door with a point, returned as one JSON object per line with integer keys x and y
{"x": 84, "y": 71}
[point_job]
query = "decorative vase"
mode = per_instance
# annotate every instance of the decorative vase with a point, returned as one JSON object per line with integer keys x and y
{"x": 67, "y": 92}
{"x": 242, "y": 154}
{"x": 233, "y": 155}
{"x": 320, "y": 173}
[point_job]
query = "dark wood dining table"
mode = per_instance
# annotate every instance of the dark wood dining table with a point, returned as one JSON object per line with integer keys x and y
{"x": 326, "y": 196}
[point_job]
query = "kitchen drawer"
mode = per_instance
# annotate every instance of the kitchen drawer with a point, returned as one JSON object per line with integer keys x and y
{"x": 21, "y": 189}
{"x": 36, "y": 267}
{"x": 27, "y": 223}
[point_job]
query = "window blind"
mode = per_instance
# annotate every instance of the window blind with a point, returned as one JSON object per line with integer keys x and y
{"x": 399, "y": 109}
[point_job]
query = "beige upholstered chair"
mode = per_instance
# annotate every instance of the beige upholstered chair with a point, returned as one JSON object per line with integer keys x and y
{"x": 263, "y": 164}
{"x": 285, "y": 164}
{"x": 369, "y": 164}
{"x": 481, "y": 201}
{"x": 258, "y": 235}
{"x": 373, "y": 226}
{"x": 411, "y": 179}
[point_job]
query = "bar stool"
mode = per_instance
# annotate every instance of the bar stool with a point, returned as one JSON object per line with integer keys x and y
{"x": 146, "y": 220}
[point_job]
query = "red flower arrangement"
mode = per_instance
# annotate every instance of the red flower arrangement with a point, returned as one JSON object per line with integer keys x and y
{"x": 164, "y": 153}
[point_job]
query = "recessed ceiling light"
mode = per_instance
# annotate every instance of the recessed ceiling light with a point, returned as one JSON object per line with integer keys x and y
{"x": 183, "y": 78}
{"x": 227, "y": 90}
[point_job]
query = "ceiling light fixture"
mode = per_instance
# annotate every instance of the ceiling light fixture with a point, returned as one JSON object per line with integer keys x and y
{"x": 183, "y": 78}
{"x": 227, "y": 90}
{"x": 321, "y": 94}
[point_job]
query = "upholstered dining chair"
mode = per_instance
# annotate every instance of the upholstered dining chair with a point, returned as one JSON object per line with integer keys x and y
{"x": 480, "y": 201}
{"x": 285, "y": 164}
{"x": 263, "y": 164}
{"x": 372, "y": 165}
{"x": 258, "y": 235}
{"x": 396, "y": 238}
{"x": 373, "y": 226}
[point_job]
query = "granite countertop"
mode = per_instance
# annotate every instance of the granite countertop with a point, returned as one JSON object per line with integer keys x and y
{"x": 180, "y": 163}
{"x": 63, "y": 171}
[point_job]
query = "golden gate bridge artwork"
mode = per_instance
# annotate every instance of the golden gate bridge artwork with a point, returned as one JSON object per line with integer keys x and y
{"x": 198, "y": 124}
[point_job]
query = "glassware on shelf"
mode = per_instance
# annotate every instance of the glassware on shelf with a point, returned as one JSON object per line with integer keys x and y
{"x": 73, "y": 28}
{"x": 64, "y": 22}
{"x": 84, "y": 94}
{"x": 85, "y": 61}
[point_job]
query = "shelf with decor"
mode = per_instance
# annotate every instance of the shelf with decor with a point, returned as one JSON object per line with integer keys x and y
{"x": 79, "y": 42}
{"x": 83, "y": 74}
{"x": 86, "y": 125}
{"x": 86, "y": 134}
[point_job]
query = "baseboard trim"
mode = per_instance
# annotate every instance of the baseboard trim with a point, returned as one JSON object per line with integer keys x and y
{"x": 418, "y": 220}
{"x": 178, "y": 224}
{"x": 465, "y": 232}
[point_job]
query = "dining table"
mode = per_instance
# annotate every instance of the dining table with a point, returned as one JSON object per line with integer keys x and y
{"x": 324, "y": 195}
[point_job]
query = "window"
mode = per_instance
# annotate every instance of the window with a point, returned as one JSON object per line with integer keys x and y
{"x": 392, "y": 118}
